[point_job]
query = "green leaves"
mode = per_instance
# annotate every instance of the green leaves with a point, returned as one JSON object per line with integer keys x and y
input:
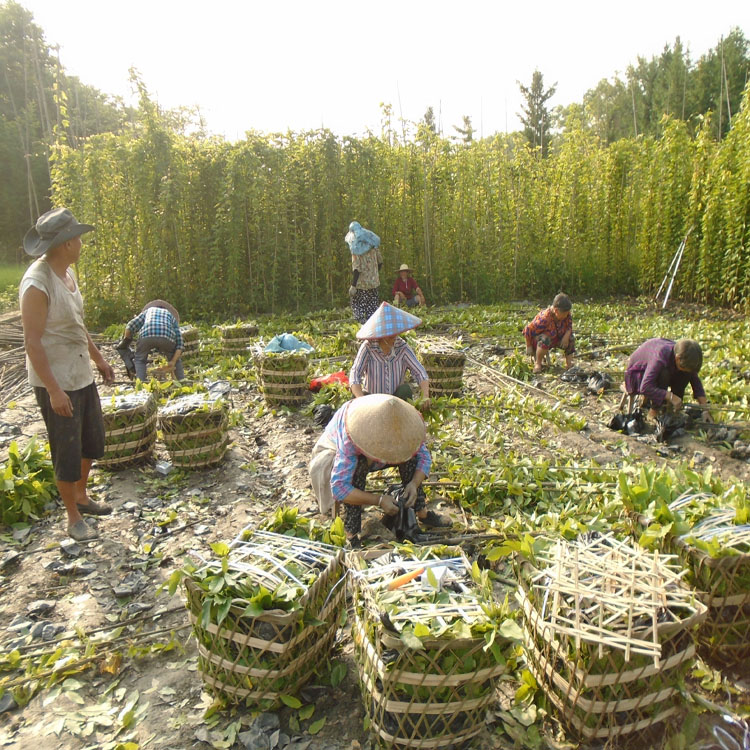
{"x": 27, "y": 483}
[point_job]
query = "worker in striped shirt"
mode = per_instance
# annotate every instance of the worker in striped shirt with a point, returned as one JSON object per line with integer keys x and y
{"x": 158, "y": 329}
{"x": 384, "y": 357}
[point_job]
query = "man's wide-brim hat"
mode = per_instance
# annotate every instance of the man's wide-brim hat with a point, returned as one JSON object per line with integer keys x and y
{"x": 387, "y": 320}
{"x": 403, "y": 267}
{"x": 361, "y": 240}
{"x": 385, "y": 428}
{"x": 162, "y": 303}
{"x": 52, "y": 229}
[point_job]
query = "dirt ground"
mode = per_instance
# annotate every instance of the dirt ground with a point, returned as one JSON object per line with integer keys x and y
{"x": 142, "y": 542}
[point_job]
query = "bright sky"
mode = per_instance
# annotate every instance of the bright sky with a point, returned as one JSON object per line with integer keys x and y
{"x": 300, "y": 64}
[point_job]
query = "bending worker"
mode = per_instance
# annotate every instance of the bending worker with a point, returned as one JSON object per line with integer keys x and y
{"x": 384, "y": 357}
{"x": 364, "y": 435}
{"x": 159, "y": 327}
{"x": 660, "y": 369}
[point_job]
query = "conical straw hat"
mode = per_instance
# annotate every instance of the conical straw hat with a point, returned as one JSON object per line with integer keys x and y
{"x": 385, "y": 428}
{"x": 387, "y": 320}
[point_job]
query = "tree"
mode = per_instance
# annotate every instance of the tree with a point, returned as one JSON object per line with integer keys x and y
{"x": 536, "y": 116}
{"x": 467, "y": 131}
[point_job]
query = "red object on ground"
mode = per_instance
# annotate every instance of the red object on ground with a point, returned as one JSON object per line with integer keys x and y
{"x": 335, "y": 377}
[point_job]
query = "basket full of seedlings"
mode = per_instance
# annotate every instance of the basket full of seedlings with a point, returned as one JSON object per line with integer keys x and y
{"x": 265, "y": 614}
{"x": 190, "y": 340}
{"x": 710, "y": 533}
{"x": 430, "y": 646}
{"x": 195, "y": 430}
{"x": 238, "y": 337}
{"x": 129, "y": 430}
{"x": 284, "y": 377}
{"x": 607, "y": 630}
{"x": 445, "y": 368}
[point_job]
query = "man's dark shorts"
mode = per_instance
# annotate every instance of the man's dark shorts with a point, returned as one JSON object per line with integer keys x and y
{"x": 73, "y": 438}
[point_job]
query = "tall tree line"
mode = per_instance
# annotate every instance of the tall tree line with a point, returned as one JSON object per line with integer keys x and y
{"x": 258, "y": 225}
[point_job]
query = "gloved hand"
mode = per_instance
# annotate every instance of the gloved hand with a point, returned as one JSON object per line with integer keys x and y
{"x": 123, "y": 344}
{"x": 352, "y": 291}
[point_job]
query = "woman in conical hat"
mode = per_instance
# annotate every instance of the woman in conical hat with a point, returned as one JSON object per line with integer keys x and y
{"x": 364, "y": 435}
{"x": 384, "y": 357}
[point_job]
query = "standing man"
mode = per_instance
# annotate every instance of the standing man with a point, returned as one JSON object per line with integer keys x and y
{"x": 58, "y": 350}
{"x": 367, "y": 259}
{"x": 158, "y": 326}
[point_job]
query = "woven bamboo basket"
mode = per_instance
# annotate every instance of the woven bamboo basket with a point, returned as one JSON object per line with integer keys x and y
{"x": 722, "y": 584}
{"x": 434, "y": 696}
{"x": 284, "y": 377}
{"x": 258, "y": 659}
{"x": 607, "y": 635}
{"x": 445, "y": 368}
{"x": 195, "y": 431}
{"x": 129, "y": 430}
{"x": 237, "y": 337}
{"x": 190, "y": 340}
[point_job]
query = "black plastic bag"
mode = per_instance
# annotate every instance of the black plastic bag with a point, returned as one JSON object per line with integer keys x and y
{"x": 671, "y": 425}
{"x": 322, "y": 414}
{"x": 403, "y": 524}
{"x": 629, "y": 424}
{"x": 598, "y": 382}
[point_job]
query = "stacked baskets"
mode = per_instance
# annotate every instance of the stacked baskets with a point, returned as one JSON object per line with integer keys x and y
{"x": 425, "y": 672}
{"x": 284, "y": 377}
{"x": 607, "y": 635}
{"x": 237, "y": 338}
{"x": 129, "y": 430}
{"x": 195, "y": 430}
{"x": 722, "y": 579}
{"x": 276, "y": 620}
{"x": 445, "y": 368}
{"x": 190, "y": 340}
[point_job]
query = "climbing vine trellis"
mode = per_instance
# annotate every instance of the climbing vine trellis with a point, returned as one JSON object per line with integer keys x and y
{"x": 235, "y": 228}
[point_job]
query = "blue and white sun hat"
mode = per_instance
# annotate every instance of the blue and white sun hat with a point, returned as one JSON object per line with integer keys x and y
{"x": 388, "y": 320}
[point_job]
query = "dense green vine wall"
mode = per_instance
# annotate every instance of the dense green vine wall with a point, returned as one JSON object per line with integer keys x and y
{"x": 255, "y": 226}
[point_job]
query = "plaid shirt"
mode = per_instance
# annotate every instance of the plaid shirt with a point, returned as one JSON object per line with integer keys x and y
{"x": 157, "y": 322}
{"x": 545, "y": 322}
{"x": 380, "y": 373}
{"x": 346, "y": 456}
{"x": 652, "y": 369}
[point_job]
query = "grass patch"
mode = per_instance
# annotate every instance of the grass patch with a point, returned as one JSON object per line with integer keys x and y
{"x": 10, "y": 277}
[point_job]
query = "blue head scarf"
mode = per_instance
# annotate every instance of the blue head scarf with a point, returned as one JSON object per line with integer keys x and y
{"x": 360, "y": 240}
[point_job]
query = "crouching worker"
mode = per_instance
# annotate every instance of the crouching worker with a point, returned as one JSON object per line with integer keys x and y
{"x": 406, "y": 290}
{"x": 159, "y": 327}
{"x": 364, "y": 435}
{"x": 552, "y": 328}
{"x": 660, "y": 369}
{"x": 384, "y": 357}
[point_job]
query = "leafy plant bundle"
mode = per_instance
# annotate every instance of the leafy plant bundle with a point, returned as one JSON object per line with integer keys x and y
{"x": 289, "y": 522}
{"x": 129, "y": 429}
{"x": 333, "y": 394}
{"x": 445, "y": 368}
{"x": 194, "y": 429}
{"x": 607, "y": 634}
{"x": 238, "y": 332}
{"x": 264, "y": 614}
{"x": 430, "y": 642}
{"x": 28, "y": 483}
{"x": 284, "y": 377}
{"x": 706, "y": 525}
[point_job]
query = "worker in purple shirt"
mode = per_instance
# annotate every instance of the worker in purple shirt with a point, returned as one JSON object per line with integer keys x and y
{"x": 660, "y": 369}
